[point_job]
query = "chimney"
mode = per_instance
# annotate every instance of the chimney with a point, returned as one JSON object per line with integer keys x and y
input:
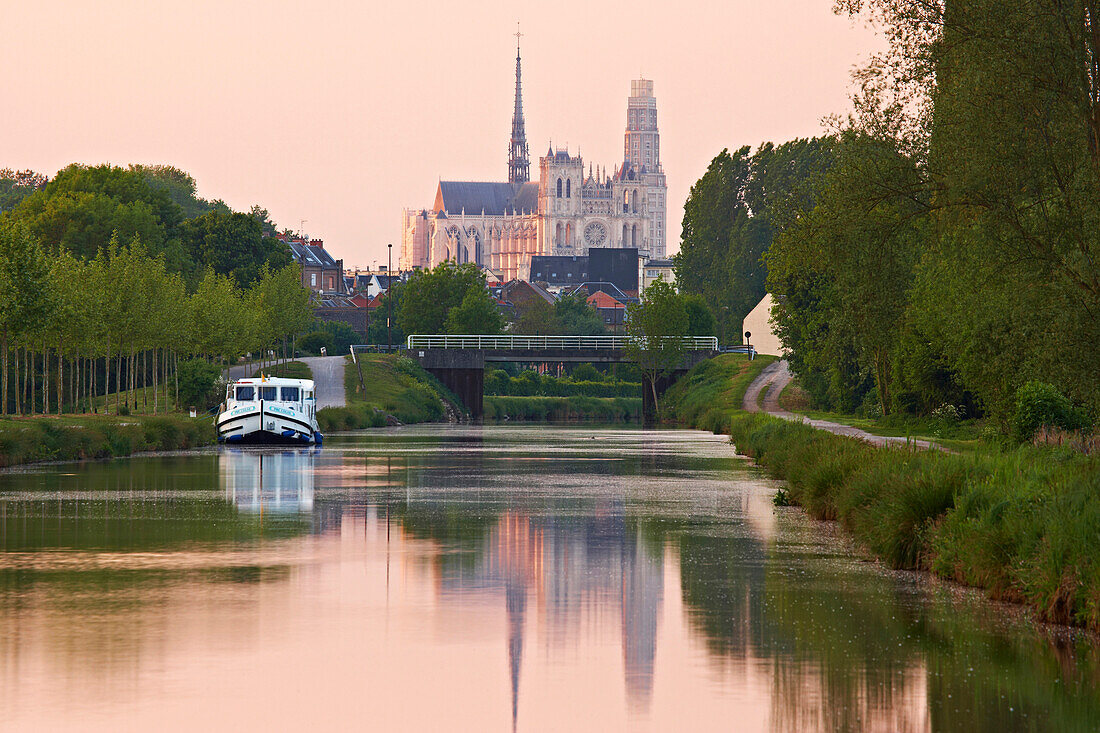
{"x": 317, "y": 243}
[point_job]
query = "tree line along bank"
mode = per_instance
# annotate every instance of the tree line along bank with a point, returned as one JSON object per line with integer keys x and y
{"x": 939, "y": 251}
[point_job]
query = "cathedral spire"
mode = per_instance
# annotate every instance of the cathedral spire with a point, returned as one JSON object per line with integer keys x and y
{"x": 518, "y": 159}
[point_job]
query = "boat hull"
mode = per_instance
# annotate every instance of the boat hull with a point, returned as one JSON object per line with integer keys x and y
{"x": 262, "y": 425}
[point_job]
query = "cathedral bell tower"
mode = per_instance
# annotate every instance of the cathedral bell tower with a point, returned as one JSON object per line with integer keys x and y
{"x": 518, "y": 159}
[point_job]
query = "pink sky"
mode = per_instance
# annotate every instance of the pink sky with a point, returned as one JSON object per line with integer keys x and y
{"x": 343, "y": 113}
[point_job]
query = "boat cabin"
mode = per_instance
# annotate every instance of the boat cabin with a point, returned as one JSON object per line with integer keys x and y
{"x": 296, "y": 394}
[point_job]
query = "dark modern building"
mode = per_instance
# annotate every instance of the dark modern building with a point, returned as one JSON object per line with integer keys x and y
{"x": 602, "y": 264}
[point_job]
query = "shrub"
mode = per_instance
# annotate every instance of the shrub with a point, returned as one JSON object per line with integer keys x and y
{"x": 563, "y": 409}
{"x": 586, "y": 373}
{"x": 198, "y": 383}
{"x": 314, "y": 341}
{"x": 1039, "y": 404}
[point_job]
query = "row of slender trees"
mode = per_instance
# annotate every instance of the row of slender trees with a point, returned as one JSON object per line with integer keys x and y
{"x": 73, "y": 330}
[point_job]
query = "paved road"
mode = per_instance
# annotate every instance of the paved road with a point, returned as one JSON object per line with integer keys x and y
{"x": 778, "y": 375}
{"x": 328, "y": 374}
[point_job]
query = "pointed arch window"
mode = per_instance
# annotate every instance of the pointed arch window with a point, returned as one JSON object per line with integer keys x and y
{"x": 634, "y": 236}
{"x": 634, "y": 202}
{"x": 568, "y": 188}
{"x": 559, "y": 188}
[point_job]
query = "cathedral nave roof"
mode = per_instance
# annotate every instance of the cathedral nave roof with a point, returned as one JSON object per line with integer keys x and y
{"x": 488, "y": 197}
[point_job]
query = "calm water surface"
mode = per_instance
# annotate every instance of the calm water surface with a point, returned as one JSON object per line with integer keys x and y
{"x": 466, "y": 578}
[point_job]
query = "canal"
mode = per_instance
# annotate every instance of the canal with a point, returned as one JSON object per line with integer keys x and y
{"x": 489, "y": 578}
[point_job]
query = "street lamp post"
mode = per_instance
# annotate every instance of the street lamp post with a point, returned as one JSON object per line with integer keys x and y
{"x": 389, "y": 300}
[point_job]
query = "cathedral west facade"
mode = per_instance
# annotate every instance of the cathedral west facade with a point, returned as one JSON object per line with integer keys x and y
{"x": 501, "y": 225}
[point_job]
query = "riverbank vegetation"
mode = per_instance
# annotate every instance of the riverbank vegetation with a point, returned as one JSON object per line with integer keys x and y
{"x": 584, "y": 381}
{"x": 946, "y": 426}
{"x": 1019, "y": 522}
{"x": 584, "y": 394}
{"x": 69, "y": 438}
{"x": 386, "y": 389}
{"x": 712, "y": 391}
{"x": 576, "y": 408}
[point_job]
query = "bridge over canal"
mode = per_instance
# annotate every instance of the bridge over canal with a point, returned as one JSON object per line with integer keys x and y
{"x": 459, "y": 361}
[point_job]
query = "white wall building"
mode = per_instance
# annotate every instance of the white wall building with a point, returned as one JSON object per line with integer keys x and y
{"x": 759, "y": 323}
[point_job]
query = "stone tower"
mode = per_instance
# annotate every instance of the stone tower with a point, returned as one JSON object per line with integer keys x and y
{"x": 561, "y": 178}
{"x": 642, "y": 144}
{"x": 519, "y": 164}
{"x": 642, "y": 158}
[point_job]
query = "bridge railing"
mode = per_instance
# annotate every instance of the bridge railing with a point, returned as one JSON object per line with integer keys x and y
{"x": 563, "y": 343}
{"x": 740, "y": 349}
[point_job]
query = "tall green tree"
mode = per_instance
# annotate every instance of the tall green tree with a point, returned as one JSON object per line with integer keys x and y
{"x": 234, "y": 245}
{"x": 997, "y": 104}
{"x": 857, "y": 249}
{"x": 430, "y": 295}
{"x": 24, "y": 274}
{"x": 538, "y": 319}
{"x": 181, "y": 189}
{"x": 576, "y": 317}
{"x": 730, "y": 219}
{"x": 476, "y": 314}
{"x": 656, "y": 327}
{"x": 383, "y": 327}
{"x": 18, "y": 185}
{"x": 701, "y": 321}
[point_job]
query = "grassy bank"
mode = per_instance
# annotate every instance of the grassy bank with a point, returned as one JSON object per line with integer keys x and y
{"x": 393, "y": 389}
{"x": 28, "y": 440}
{"x": 1022, "y": 524}
{"x": 709, "y": 393}
{"x": 563, "y": 409}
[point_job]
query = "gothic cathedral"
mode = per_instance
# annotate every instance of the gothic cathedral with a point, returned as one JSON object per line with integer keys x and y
{"x": 501, "y": 225}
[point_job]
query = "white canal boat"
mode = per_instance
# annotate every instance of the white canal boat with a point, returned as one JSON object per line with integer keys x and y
{"x": 269, "y": 410}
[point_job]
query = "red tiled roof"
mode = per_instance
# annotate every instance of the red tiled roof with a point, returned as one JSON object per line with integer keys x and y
{"x": 600, "y": 299}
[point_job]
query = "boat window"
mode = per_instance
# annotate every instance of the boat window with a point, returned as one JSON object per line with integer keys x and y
{"x": 245, "y": 394}
{"x": 290, "y": 394}
{"x": 269, "y": 393}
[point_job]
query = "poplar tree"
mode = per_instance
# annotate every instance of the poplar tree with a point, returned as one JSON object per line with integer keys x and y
{"x": 24, "y": 274}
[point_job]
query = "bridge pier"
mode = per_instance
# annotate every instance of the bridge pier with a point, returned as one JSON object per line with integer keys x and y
{"x": 468, "y": 384}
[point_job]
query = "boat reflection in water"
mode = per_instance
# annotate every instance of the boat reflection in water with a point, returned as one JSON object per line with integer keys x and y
{"x": 268, "y": 481}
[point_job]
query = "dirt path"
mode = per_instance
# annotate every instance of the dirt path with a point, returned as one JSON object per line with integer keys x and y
{"x": 328, "y": 375}
{"x": 778, "y": 376}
